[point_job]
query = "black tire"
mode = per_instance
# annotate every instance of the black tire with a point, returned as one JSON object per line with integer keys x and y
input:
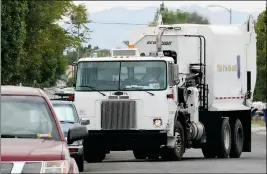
{"x": 237, "y": 140}
{"x": 95, "y": 157}
{"x": 92, "y": 154}
{"x": 224, "y": 147}
{"x": 139, "y": 154}
{"x": 80, "y": 162}
{"x": 176, "y": 153}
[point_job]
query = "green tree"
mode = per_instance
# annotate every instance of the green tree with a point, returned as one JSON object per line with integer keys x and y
{"x": 178, "y": 17}
{"x": 195, "y": 18}
{"x": 260, "y": 27}
{"x": 33, "y": 42}
{"x": 70, "y": 82}
{"x": 79, "y": 29}
{"x": 46, "y": 41}
{"x": 103, "y": 53}
{"x": 126, "y": 42}
{"x": 13, "y": 35}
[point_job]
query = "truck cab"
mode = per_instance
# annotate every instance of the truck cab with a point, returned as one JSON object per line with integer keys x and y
{"x": 128, "y": 100}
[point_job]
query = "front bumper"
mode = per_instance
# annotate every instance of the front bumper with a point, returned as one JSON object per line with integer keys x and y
{"x": 127, "y": 139}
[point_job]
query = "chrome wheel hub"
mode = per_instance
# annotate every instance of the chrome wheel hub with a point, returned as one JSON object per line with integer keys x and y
{"x": 226, "y": 137}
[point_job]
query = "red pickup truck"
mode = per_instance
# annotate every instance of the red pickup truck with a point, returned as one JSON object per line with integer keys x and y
{"x": 31, "y": 137}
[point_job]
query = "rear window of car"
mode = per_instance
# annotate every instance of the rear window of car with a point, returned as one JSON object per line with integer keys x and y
{"x": 27, "y": 116}
{"x": 65, "y": 112}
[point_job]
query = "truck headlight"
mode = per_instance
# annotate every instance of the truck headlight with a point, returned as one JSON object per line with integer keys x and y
{"x": 61, "y": 166}
{"x": 157, "y": 122}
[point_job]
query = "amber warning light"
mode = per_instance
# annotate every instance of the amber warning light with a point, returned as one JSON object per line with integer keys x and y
{"x": 131, "y": 46}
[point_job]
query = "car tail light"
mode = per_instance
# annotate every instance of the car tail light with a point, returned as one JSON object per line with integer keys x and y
{"x": 71, "y": 98}
{"x": 73, "y": 150}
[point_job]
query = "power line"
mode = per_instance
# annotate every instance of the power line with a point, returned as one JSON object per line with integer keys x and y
{"x": 116, "y": 23}
{"x": 107, "y": 23}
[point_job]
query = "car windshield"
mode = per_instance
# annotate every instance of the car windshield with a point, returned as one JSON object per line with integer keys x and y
{"x": 65, "y": 112}
{"x": 121, "y": 75}
{"x": 27, "y": 117}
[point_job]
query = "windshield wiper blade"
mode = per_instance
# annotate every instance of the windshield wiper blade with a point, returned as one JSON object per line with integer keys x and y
{"x": 7, "y": 136}
{"x": 18, "y": 136}
{"x": 91, "y": 87}
{"x": 139, "y": 89}
{"x": 66, "y": 121}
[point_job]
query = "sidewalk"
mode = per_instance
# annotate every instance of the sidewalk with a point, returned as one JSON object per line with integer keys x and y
{"x": 258, "y": 129}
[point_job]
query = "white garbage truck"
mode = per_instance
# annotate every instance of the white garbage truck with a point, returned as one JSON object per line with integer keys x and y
{"x": 190, "y": 86}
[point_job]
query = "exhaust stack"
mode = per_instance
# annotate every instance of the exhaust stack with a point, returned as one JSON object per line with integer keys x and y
{"x": 158, "y": 40}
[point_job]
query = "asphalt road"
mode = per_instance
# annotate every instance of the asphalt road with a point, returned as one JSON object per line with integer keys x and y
{"x": 193, "y": 162}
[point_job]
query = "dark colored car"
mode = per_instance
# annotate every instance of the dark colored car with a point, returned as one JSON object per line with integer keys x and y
{"x": 31, "y": 136}
{"x": 68, "y": 116}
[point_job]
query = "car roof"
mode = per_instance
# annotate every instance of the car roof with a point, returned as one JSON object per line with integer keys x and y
{"x": 20, "y": 90}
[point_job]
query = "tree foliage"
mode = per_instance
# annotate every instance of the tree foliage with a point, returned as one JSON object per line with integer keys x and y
{"x": 33, "y": 42}
{"x": 260, "y": 27}
{"x": 126, "y": 42}
{"x": 13, "y": 36}
{"x": 178, "y": 17}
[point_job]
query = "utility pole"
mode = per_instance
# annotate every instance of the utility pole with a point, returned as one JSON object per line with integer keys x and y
{"x": 230, "y": 11}
{"x": 79, "y": 25}
{"x": 227, "y": 9}
{"x": 78, "y": 49}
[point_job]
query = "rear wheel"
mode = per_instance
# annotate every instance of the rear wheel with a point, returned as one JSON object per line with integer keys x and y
{"x": 224, "y": 144}
{"x": 176, "y": 153}
{"x": 237, "y": 140}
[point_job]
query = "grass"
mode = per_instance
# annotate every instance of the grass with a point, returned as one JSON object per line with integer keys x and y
{"x": 259, "y": 123}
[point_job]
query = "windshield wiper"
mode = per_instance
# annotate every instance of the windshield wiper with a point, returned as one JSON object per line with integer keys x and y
{"x": 7, "y": 136}
{"x": 93, "y": 88}
{"x": 18, "y": 136}
{"x": 139, "y": 89}
{"x": 67, "y": 121}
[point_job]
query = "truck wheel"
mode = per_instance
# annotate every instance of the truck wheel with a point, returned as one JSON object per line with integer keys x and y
{"x": 224, "y": 144}
{"x": 237, "y": 140}
{"x": 95, "y": 157}
{"x": 176, "y": 153}
{"x": 91, "y": 153}
{"x": 80, "y": 162}
{"x": 139, "y": 154}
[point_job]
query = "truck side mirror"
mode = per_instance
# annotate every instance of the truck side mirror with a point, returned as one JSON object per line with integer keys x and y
{"x": 175, "y": 74}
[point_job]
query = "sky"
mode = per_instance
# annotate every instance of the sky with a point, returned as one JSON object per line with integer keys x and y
{"x": 248, "y": 6}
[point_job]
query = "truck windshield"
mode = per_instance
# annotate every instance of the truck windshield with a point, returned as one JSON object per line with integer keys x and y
{"x": 27, "y": 117}
{"x": 121, "y": 75}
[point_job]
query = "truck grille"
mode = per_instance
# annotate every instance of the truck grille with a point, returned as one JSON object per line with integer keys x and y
{"x": 32, "y": 167}
{"x": 6, "y": 167}
{"x": 118, "y": 115}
